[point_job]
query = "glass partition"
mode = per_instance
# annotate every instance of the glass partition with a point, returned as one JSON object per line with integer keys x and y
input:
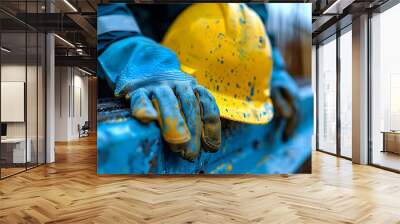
{"x": 23, "y": 89}
{"x": 327, "y": 96}
{"x": 385, "y": 89}
{"x": 346, "y": 93}
{"x": 14, "y": 151}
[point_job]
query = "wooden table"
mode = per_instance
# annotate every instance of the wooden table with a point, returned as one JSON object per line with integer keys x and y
{"x": 391, "y": 141}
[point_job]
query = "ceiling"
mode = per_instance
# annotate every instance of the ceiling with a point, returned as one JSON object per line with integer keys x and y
{"x": 75, "y": 21}
{"x": 331, "y": 15}
{"x": 72, "y": 20}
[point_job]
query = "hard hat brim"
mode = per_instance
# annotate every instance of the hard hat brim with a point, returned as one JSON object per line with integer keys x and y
{"x": 250, "y": 112}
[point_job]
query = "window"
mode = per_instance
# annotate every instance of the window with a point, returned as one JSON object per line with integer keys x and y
{"x": 327, "y": 96}
{"x": 346, "y": 93}
{"x": 385, "y": 89}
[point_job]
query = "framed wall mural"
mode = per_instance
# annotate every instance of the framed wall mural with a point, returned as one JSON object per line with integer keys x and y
{"x": 203, "y": 89}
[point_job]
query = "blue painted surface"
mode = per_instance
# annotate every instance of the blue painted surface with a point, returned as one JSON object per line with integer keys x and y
{"x": 126, "y": 146}
{"x": 150, "y": 75}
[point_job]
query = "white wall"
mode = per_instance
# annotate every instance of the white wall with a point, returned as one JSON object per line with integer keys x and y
{"x": 33, "y": 127}
{"x": 71, "y": 94}
{"x": 13, "y": 73}
{"x": 62, "y": 81}
{"x": 80, "y": 102}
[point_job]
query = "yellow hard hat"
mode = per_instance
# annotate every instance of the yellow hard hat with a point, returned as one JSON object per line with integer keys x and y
{"x": 225, "y": 47}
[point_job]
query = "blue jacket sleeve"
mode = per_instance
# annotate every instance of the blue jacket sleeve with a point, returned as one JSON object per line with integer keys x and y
{"x": 115, "y": 22}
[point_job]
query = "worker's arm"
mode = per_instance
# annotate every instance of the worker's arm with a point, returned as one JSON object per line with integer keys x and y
{"x": 149, "y": 75}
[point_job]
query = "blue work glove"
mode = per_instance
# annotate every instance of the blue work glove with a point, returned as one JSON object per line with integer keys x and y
{"x": 284, "y": 94}
{"x": 149, "y": 75}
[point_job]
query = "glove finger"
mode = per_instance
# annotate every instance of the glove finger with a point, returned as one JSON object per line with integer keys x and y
{"x": 290, "y": 127}
{"x": 280, "y": 104}
{"x": 211, "y": 132}
{"x": 142, "y": 107}
{"x": 191, "y": 110}
{"x": 173, "y": 126}
{"x": 293, "y": 120}
{"x": 290, "y": 99}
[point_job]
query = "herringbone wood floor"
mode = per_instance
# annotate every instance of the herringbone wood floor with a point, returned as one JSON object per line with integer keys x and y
{"x": 69, "y": 191}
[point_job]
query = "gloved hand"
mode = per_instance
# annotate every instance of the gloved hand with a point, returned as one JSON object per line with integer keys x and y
{"x": 149, "y": 75}
{"x": 284, "y": 94}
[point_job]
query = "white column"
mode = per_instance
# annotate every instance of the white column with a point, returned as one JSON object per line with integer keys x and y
{"x": 360, "y": 90}
{"x": 50, "y": 94}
